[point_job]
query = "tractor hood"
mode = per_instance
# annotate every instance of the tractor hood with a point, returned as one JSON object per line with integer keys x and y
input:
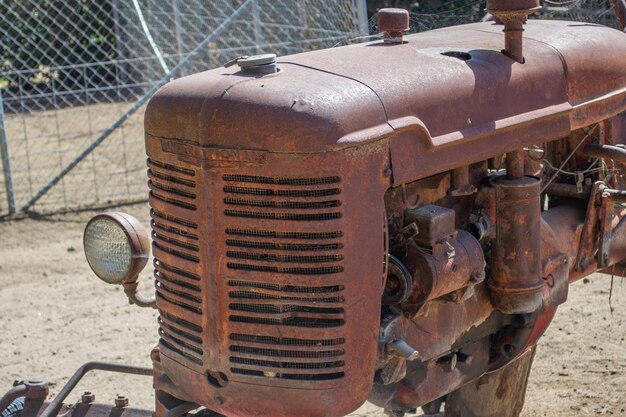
{"x": 441, "y": 88}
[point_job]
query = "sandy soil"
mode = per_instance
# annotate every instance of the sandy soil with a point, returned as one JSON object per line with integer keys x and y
{"x": 55, "y": 315}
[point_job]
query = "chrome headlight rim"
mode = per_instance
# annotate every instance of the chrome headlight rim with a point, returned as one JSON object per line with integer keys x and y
{"x": 137, "y": 238}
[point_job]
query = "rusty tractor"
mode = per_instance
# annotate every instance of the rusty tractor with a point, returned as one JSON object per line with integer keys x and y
{"x": 394, "y": 221}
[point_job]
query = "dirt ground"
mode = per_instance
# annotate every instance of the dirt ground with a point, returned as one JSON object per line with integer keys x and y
{"x": 42, "y": 143}
{"x": 55, "y": 315}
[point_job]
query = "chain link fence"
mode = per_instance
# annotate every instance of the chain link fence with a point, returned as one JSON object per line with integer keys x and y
{"x": 74, "y": 76}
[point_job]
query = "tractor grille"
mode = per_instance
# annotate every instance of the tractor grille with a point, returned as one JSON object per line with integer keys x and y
{"x": 282, "y": 240}
{"x": 176, "y": 265}
{"x": 286, "y": 358}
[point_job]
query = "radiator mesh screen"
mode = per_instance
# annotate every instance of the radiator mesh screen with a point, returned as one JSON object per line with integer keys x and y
{"x": 284, "y": 247}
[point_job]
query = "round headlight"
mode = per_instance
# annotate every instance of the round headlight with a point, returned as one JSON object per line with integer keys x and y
{"x": 117, "y": 247}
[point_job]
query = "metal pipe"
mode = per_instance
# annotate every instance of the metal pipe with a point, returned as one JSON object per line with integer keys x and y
{"x": 166, "y": 78}
{"x": 513, "y": 39}
{"x": 616, "y": 196}
{"x": 6, "y": 161}
{"x": 136, "y": 297}
{"x": 460, "y": 176}
{"x": 615, "y": 153}
{"x": 515, "y": 164}
{"x": 361, "y": 9}
{"x": 568, "y": 190}
{"x": 258, "y": 27}
{"x": 513, "y": 14}
{"x": 55, "y": 405}
{"x": 146, "y": 31}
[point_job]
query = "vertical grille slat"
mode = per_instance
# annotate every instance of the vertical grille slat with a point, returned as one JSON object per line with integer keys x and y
{"x": 296, "y": 252}
{"x": 176, "y": 250}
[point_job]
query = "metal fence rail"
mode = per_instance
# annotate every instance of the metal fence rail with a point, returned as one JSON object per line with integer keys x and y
{"x": 74, "y": 76}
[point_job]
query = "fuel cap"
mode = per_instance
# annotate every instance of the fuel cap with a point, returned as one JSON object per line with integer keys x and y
{"x": 260, "y": 64}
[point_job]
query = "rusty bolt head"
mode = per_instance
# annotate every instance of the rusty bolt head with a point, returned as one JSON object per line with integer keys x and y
{"x": 393, "y": 23}
{"x": 121, "y": 401}
{"x": 87, "y": 397}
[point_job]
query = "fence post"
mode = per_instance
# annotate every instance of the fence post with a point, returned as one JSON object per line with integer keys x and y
{"x": 258, "y": 28}
{"x": 123, "y": 74}
{"x": 6, "y": 161}
{"x": 361, "y": 9}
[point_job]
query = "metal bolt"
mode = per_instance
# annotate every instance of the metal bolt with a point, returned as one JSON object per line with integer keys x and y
{"x": 121, "y": 401}
{"x": 402, "y": 349}
{"x": 453, "y": 362}
{"x": 87, "y": 397}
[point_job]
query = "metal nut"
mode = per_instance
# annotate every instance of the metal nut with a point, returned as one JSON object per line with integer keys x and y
{"x": 87, "y": 397}
{"x": 121, "y": 401}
